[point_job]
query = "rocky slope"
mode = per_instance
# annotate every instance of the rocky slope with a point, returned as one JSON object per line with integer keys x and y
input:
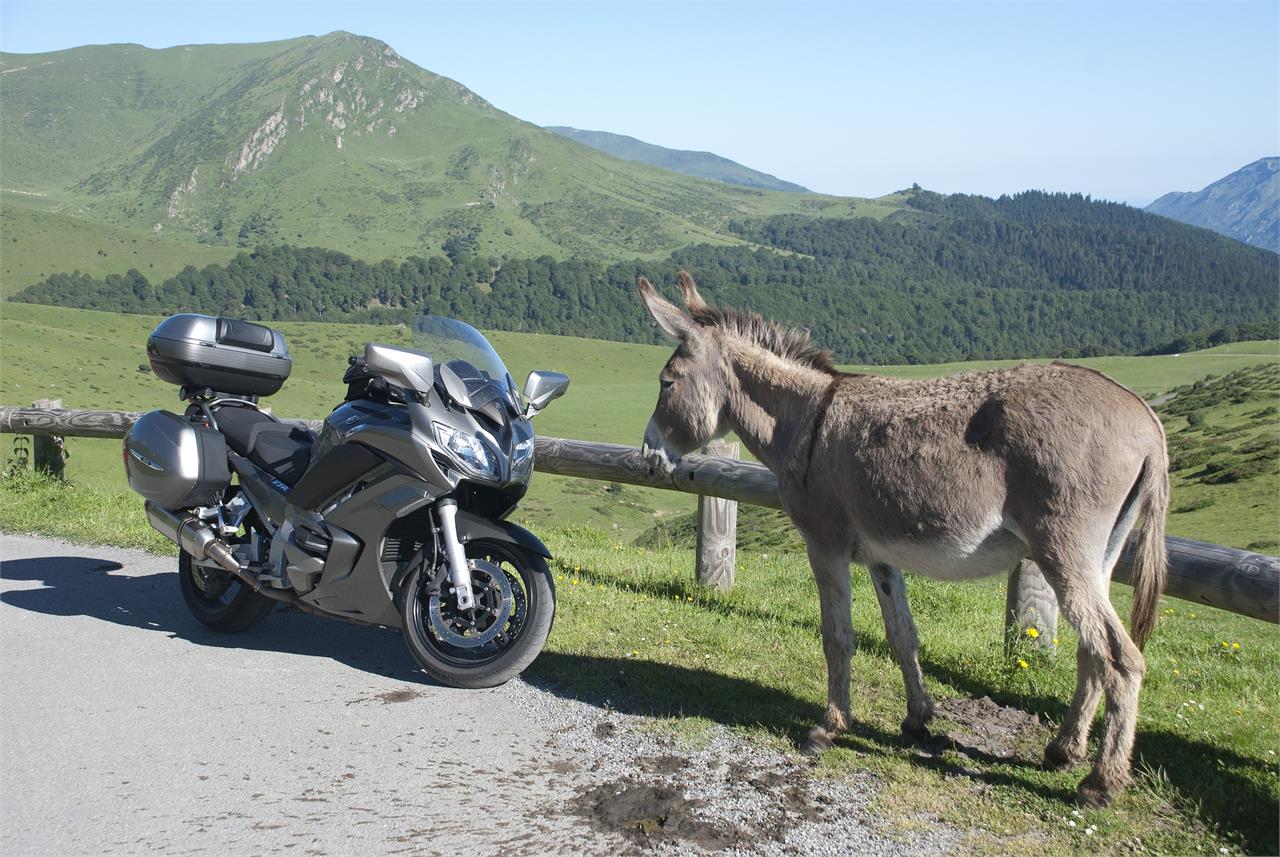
{"x": 1244, "y": 205}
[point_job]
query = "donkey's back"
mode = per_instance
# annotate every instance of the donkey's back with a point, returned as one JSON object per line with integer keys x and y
{"x": 957, "y": 477}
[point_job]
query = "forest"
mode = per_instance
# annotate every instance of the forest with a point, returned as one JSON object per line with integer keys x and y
{"x": 952, "y": 278}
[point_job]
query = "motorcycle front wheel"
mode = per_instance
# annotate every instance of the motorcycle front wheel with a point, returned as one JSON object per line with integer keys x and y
{"x": 493, "y": 642}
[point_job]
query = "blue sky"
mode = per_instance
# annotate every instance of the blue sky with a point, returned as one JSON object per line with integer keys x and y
{"x": 1121, "y": 100}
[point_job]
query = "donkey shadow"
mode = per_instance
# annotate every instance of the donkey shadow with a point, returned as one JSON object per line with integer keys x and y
{"x": 85, "y": 586}
{"x": 1203, "y": 773}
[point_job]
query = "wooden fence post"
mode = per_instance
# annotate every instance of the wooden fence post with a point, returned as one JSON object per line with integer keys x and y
{"x": 48, "y": 452}
{"x": 1030, "y": 603}
{"x": 717, "y": 531}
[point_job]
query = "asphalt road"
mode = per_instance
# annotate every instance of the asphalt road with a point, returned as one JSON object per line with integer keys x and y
{"x": 127, "y": 728}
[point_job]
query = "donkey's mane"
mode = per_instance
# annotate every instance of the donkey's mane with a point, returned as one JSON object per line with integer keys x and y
{"x": 786, "y": 342}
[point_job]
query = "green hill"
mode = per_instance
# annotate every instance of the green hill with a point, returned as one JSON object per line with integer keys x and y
{"x": 1244, "y": 205}
{"x": 335, "y": 141}
{"x": 705, "y": 165}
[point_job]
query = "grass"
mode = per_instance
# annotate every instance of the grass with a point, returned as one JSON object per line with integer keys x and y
{"x": 1224, "y": 454}
{"x": 35, "y": 244}
{"x": 635, "y": 633}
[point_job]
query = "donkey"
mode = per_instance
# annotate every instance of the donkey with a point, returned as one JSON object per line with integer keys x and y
{"x": 955, "y": 478}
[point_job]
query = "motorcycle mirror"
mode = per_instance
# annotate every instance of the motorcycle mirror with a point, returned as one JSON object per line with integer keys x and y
{"x": 541, "y": 387}
{"x": 411, "y": 370}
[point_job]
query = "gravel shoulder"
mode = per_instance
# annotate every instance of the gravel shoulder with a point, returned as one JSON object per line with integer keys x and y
{"x": 126, "y": 727}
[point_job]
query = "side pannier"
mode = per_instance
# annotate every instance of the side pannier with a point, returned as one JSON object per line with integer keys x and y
{"x": 174, "y": 462}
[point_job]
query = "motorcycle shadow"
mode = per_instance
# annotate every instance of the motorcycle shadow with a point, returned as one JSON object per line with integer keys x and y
{"x": 86, "y": 586}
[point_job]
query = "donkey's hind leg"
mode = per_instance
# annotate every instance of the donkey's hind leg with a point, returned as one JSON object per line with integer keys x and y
{"x": 1114, "y": 664}
{"x": 900, "y": 629}
{"x": 1071, "y": 744}
{"x": 831, "y": 571}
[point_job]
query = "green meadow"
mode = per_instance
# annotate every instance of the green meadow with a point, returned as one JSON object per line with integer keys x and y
{"x": 35, "y": 242}
{"x": 98, "y": 360}
{"x": 635, "y": 630}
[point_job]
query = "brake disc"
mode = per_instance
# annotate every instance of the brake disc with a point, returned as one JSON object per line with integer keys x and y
{"x": 488, "y": 618}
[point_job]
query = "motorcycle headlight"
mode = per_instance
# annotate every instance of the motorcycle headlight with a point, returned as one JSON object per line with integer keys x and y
{"x": 522, "y": 460}
{"x": 471, "y": 452}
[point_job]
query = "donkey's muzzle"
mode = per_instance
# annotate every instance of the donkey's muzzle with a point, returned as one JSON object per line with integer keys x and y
{"x": 658, "y": 461}
{"x": 654, "y": 450}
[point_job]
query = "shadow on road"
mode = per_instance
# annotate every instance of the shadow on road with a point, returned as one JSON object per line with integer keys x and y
{"x": 85, "y": 586}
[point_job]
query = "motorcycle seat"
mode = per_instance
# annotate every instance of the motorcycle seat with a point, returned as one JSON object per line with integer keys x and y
{"x": 281, "y": 449}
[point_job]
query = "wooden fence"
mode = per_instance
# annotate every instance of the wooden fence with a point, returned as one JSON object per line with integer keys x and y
{"x": 1239, "y": 581}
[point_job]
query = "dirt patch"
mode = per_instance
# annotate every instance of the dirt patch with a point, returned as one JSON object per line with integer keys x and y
{"x": 649, "y": 815}
{"x": 987, "y": 728}
{"x": 391, "y": 696}
{"x": 388, "y": 697}
{"x": 663, "y": 766}
{"x": 656, "y": 807}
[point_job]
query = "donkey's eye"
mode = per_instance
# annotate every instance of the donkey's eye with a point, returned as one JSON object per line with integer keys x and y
{"x": 665, "y": 384}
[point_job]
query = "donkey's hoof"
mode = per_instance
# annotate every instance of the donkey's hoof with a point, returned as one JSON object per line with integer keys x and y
{"x": 819, "y": 740}
{"x": 916, "y": 730}
{"x": 1092, "y": 793}
{"x": 1056, "y": 758}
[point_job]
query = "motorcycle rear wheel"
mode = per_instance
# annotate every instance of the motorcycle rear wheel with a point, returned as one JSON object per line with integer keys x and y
{"x": 505, "y": 657}
{"x": 218, "y": 599}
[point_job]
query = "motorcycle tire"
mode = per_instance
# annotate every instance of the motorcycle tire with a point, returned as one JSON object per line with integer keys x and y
{"x": 491, "y": 664}
{"x": 229, "y": 613}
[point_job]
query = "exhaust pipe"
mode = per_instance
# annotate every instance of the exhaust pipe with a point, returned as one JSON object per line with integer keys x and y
{"x": 195, "y": 537}
{"x": 198, "y": 539}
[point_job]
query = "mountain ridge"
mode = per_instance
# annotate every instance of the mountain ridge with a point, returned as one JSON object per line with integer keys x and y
{"x": 1244, "y": 205}
{"x": 707, "y": 165}
{"x": 340, "y": 141}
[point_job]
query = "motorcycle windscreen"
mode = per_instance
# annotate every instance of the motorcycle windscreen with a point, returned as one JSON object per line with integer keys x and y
{"x": 470, "y": 370}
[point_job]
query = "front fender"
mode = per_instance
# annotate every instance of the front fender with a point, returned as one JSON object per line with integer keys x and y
{"x": 472, "y": 527}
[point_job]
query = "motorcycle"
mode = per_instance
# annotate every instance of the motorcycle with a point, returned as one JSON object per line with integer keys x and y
{"x": 393, "y": 514}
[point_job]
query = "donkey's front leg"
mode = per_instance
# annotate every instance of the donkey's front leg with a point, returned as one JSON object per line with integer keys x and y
{"x": 900, "y": 629}
{"x": 831, "y": 571}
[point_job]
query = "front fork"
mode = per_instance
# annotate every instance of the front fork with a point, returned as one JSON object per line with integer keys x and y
{"x": 459, "y": 571}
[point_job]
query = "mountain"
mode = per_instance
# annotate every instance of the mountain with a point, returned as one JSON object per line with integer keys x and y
{"x": 336, "y": 141}
{"x": 329, "y": 178}
{"x": 1244, "y": 205}
{"x": 701, "y": 164}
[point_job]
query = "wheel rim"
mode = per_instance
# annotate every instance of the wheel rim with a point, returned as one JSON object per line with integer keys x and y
{"x": 214, "y": 589}
{"x": 500, "y": 632}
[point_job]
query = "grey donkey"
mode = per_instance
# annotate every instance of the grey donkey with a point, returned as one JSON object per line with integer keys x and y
{"x": 955, "y": 478}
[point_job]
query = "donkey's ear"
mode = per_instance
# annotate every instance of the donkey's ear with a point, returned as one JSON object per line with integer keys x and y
{"x": 669, "y": 317}
{"x": 692, "y": 299}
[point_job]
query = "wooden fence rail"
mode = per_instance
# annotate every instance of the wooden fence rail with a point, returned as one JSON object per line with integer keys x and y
{"x": 1239, "y": 581}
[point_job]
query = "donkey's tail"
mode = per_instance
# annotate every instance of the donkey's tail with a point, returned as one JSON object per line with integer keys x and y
{"x": 1150, "y": 560}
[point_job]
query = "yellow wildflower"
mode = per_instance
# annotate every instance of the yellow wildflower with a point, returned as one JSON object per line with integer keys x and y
{"x": 1235, "y": 646}
{"x": 1032, "y": 632}
{"x": 1022, "y": 664}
